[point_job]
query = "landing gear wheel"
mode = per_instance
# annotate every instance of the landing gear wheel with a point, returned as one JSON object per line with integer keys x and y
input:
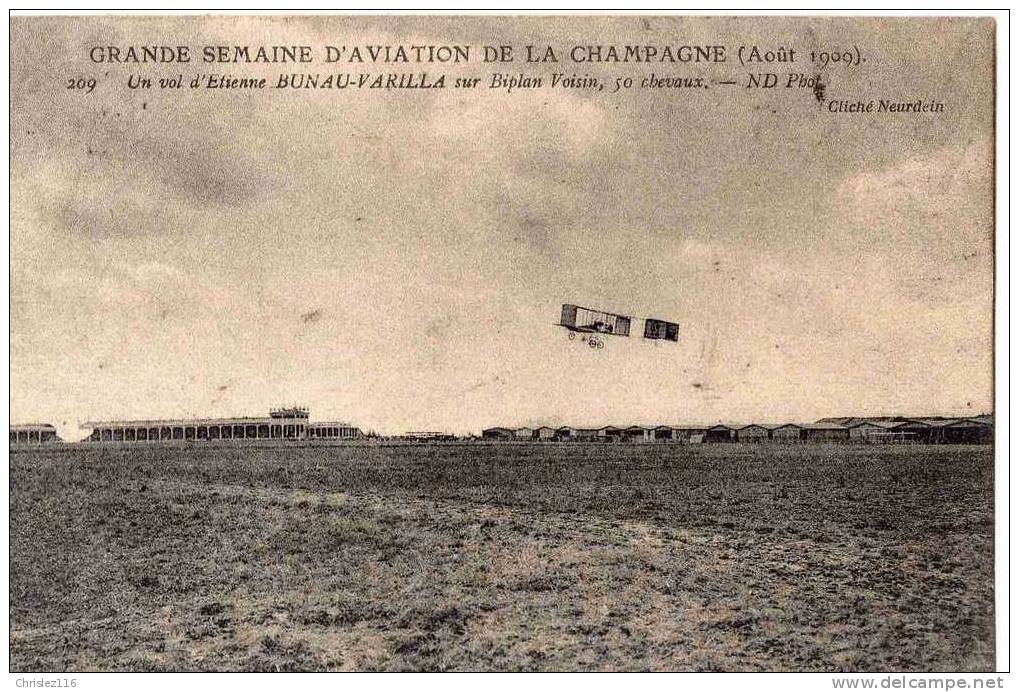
{"x": 571, "y": 336}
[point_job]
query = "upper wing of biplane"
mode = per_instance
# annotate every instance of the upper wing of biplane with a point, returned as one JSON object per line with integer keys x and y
{"x": 581, "y": 319}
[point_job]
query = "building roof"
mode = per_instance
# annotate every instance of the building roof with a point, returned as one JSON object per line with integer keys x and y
{"x": 931, "y": 422}
{"x": 171, "y": 422}
{"x": 967, "y": 422}
{"x": 32, "y": 427}
{"x": 886, "y": 424}
{"x": 850, "y": 421}
{"x": 843, "y": 423}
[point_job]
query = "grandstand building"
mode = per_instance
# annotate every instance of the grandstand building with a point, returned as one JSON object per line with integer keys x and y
{"x": 33, "y": 434}
{"x": 283, "y": 424}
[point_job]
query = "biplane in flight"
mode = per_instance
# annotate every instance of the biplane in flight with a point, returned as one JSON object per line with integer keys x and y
{"x": 592, "y": 324}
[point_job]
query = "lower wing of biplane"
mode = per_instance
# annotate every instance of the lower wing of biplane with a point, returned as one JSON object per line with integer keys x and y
{"x": 591, "y": 324}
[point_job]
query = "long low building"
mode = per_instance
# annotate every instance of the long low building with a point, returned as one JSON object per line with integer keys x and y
{"x": 333, "y": 430}
{"x": 281, "y": 424}
{"x": 34, "y": 434}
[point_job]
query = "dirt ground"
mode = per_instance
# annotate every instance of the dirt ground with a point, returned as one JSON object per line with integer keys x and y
{"x": 503, "y": 557}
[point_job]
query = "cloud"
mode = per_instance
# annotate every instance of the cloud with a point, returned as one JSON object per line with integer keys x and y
{"x": 928, "y": 220}
{"x": 946, "y": 178}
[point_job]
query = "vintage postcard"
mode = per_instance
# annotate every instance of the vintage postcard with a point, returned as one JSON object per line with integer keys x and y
{"x": 502, "y": 343}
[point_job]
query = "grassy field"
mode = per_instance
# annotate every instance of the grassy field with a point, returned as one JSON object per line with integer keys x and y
{"x": 512, "y": 557}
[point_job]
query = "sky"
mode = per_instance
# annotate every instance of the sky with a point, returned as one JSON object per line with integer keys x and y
{"x": 398, "y": 259}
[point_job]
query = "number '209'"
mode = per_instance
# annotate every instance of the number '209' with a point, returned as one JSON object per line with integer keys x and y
{"x": 81, "y": 83}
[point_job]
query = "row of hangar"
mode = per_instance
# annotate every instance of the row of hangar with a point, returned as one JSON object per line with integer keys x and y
{"x": 877, "y": 430}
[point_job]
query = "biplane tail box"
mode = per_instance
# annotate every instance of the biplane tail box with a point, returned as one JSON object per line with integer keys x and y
{"x": 660, "y": 329}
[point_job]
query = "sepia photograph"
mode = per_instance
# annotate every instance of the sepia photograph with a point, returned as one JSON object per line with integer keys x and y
{"x": 505, "y": 343}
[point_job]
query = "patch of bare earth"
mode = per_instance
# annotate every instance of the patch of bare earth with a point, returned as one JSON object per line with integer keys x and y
{"x": 432, "y": 560}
